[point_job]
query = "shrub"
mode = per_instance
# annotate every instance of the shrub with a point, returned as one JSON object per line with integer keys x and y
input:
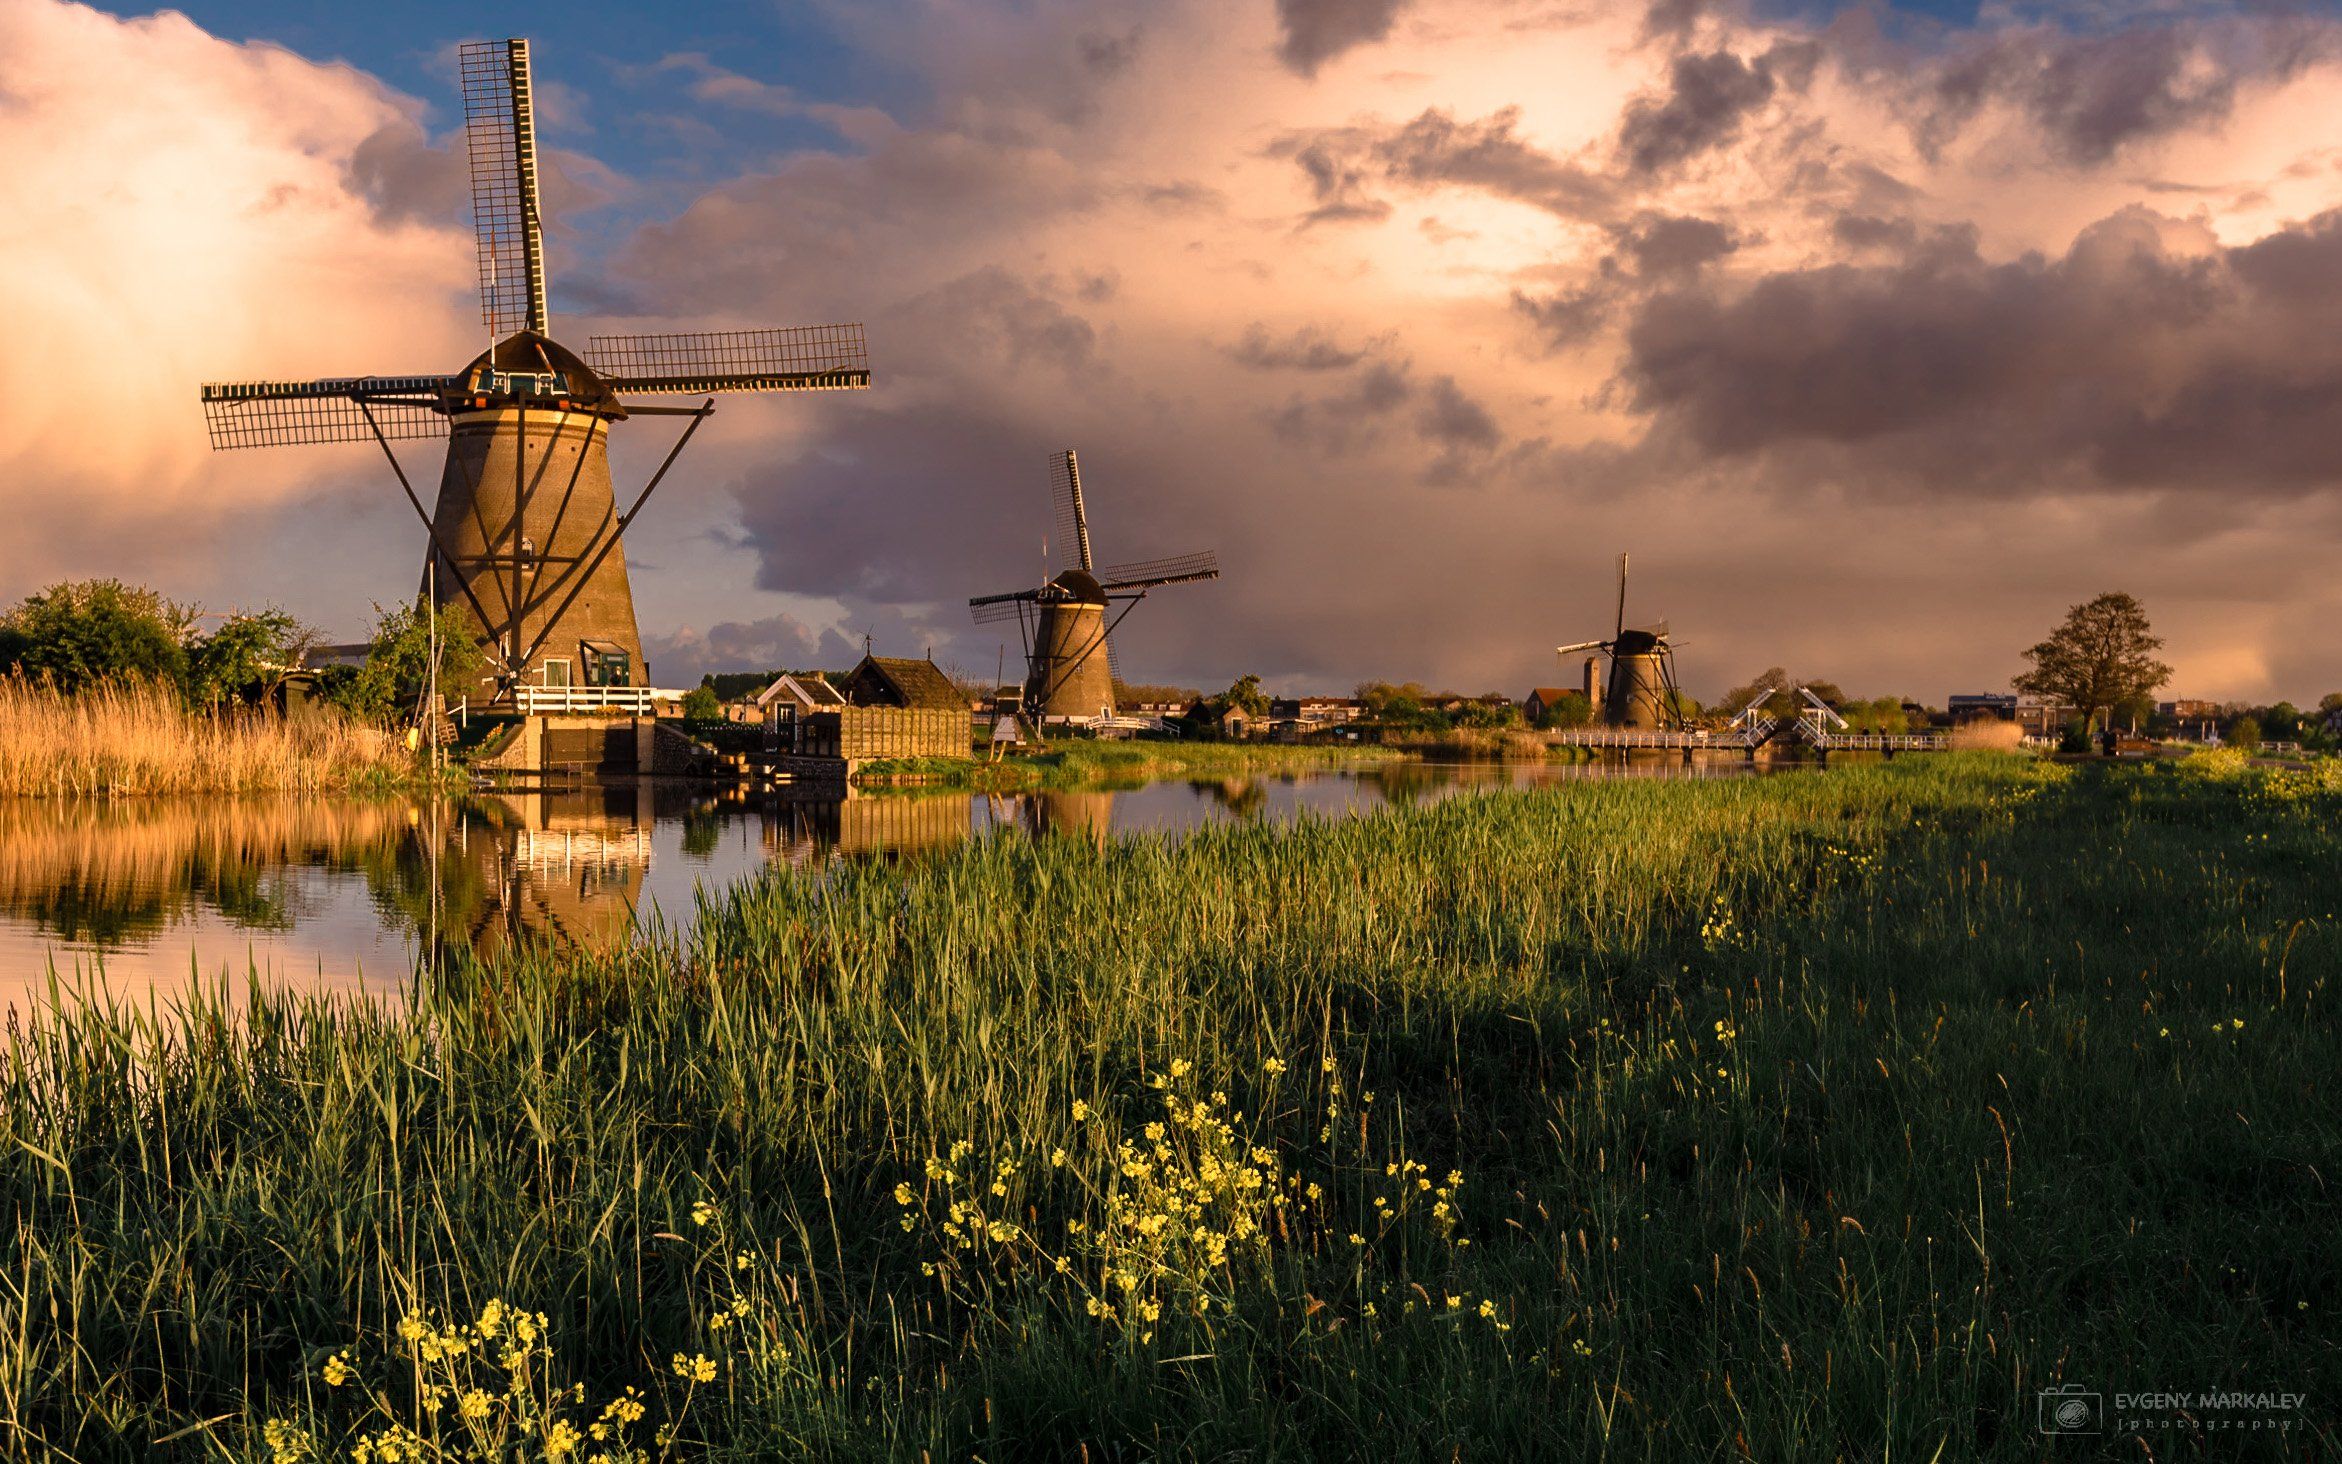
{"x": 80, "y": 633}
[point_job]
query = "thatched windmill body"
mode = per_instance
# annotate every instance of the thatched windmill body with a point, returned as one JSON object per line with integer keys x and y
{"x": 1066, "y": 623}
{"x": 525, "y": 535}
{"x": 1640, "y": 690}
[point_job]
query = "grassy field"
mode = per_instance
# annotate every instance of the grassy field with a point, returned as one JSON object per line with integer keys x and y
{"x": 1814, "y": 1117}
{"x": 139, "y": 739}
{"x": 1101, "y": 763}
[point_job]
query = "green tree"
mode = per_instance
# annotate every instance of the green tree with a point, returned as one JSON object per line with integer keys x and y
{"x": 1879, "y": 714}
{"x": 1398, "y": 706}
{"x": 2101, "y": 657}
{"x": 2244, "y": 733}
{"x": 389, "y": 687}
{"x": 1570, "y": 709}
{"x": 246, "y": 651}
{"x": 82, "y": 632}
{"x": 1246, "y": 694}
{"x": 700, "y": 704}
{"x": 1488, "y": 714}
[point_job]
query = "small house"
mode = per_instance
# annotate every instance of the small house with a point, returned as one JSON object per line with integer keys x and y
{"x": 792, "y": 697}
{"x": 892, "y": 707}
{"x": 898, "y": 681}
{"x": 1541, "y": 701}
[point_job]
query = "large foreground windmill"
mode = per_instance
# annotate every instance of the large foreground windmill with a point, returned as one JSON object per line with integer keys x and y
{"x": 526, "y": 535}
{"x": 1065, "y": 623}
{"x": 1641, "y": 687}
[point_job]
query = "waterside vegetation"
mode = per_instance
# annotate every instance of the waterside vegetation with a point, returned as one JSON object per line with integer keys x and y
{"x": 1803, "y": 1117}
{"x": 139, "y": 738}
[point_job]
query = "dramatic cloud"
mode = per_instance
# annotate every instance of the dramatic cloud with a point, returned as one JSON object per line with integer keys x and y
{"x": 1418, "y": 313}
{"x": 2146, "y": 356}
{"x": 1313, "y": 32}
{"x": 774, "y": 643}
{"x": 181, "y": 209}
{"x": 2090, "y": 94}
{"x": 1707, "y": 96}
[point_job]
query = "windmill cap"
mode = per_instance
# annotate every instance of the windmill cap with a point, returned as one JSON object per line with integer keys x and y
{"x": 526, "y": 352}
{"x": 1080, "y": 584}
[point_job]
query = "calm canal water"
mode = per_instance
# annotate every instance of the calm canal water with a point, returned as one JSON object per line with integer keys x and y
{"x": 154, "y": 894}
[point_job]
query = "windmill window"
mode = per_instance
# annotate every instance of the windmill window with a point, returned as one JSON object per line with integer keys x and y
{"x": 606, "y": 663}
{"x": 556, "y": 672}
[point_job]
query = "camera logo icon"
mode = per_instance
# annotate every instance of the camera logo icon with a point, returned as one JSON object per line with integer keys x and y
{"x": 2071, "y": 1409}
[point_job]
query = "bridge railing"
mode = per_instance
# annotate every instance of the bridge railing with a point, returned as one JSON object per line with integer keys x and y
{"x": 1883, "y": 742}
{"x": 1648, "y": 737}
{"x": 532, "y": 700}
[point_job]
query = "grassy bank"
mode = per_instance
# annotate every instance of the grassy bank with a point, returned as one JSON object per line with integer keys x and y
{"x": 1791, "y": 1118}
{"x": 139, "y": 739}
{"x": 1099, "y": 763}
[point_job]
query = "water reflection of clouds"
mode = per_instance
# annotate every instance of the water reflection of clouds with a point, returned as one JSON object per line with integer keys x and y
{"x": 350, "y": 895}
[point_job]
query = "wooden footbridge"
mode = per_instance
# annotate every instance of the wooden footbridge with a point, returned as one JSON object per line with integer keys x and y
{"x": 1818, "y": 727}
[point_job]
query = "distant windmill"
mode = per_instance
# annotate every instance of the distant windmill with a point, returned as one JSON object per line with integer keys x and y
{"x": 1065, "y": 622}
{"x": 1641, "y": 689}
{"x": 525, "y": 534}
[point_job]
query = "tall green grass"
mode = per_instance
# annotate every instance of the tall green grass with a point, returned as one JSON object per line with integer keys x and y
{"x": 1810, "y": 1117}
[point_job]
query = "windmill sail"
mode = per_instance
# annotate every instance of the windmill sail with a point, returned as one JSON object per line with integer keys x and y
{"x": 500, "y": 138}
{"x": 797, "y": 358}
{"x": 288, "y": 413}
{"x": 1146, "y": 574}
{"x": 1073, "y": 514}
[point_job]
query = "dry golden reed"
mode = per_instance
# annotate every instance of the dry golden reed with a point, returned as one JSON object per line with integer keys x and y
{"x": 138, "y": 738}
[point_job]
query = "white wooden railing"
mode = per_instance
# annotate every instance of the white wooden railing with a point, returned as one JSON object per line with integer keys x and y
{"x": 532, "y": 700}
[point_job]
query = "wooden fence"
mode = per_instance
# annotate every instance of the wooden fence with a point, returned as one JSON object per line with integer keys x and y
{"x": 862, "y": 733}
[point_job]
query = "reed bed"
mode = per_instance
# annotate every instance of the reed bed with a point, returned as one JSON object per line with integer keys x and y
{"x": 138, "y": 738}
{"x": 1812, "y": 1117}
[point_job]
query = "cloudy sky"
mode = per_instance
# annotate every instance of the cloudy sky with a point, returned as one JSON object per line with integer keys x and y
{"x": 1879, "y": 335}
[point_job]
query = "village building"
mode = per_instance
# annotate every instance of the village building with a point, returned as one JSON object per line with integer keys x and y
{"x": 789, "y": 698}
{"x": 1979, "y": 706}
{"x": 1541, "y": 701}
{"x": 894, "y": 707}
{"x": 899, "y": 681}
{"x": 1313, "y": 712}
{"x": 2043, "y": 716}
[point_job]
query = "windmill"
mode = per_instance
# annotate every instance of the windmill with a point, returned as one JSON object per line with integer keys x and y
{"x": 1065, "y": 622}
{"x": 525, "y": 535}
{"x": 1641, "y": 689}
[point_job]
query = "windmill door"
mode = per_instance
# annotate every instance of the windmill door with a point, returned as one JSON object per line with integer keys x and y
{"x": 606, "y": 749}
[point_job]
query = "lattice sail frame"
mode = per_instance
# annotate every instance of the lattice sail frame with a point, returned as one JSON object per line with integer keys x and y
{"x": 1073, "y": 513}
{"x": 292, "y": 413}
{"x": 500, "y": 140}
{"x": 1148, "y": 573}
{"x": 788, "y": 358}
